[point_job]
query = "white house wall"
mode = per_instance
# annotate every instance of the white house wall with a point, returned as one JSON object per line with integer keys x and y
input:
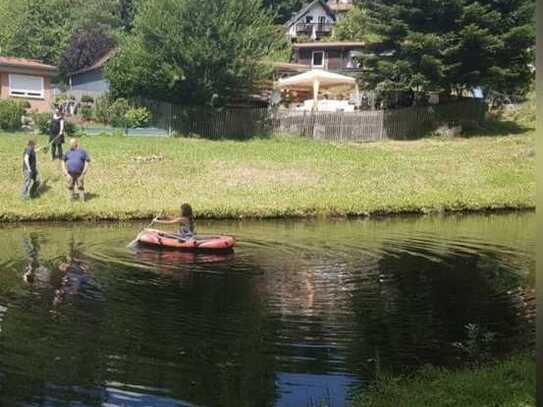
{"x": 316, "y": 11}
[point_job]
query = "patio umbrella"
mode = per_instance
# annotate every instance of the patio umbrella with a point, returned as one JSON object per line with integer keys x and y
{"x": 316, "y": 79}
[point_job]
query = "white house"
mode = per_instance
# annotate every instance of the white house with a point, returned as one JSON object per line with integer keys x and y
{"x": 315, "y": 20}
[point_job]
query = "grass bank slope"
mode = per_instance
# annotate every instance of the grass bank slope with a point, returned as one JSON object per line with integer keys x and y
{"x": 139, "y": 177}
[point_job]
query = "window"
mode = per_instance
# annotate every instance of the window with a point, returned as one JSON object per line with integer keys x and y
{"x": 308, "y": 19}
{"x": 318, "y": 59}
{"x": 26, "y": 86}
{"x": 322, "y": 20}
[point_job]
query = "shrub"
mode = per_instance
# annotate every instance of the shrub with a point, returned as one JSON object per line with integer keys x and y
{"x": 42, "y": 122}
{"x": 117, "y": 112}
{"x": 10, "y": 114}
{"x": 70, "y": 129}
{"x": 138, "y": 117}
{"x": 24, "y": 104}
{"x": 87, "y": 112}
{"x": 87, "y": 99}
{"x": 61, "y": 98}
{"x": 111, "y": 112}
{"x": 103, "y": 104}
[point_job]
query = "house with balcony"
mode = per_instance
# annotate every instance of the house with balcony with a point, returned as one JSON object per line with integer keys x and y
{"x": 339, "y": 57}
{"x": 316, "y": 20}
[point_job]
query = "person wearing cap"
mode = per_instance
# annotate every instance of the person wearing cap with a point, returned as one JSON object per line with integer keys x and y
{"x": 75, "y": 166}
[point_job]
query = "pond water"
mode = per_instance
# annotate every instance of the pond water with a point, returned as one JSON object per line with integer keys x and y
{"x": 302, "y": 312}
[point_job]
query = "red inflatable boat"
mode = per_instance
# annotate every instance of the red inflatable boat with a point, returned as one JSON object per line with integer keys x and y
{"x": 167, "y": 240}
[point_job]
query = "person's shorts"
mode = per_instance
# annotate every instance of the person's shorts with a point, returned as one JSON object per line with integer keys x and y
{"x": 76, "y": 180}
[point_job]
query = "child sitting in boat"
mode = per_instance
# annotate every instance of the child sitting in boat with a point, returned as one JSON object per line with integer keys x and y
{"x": 186, "y": 221}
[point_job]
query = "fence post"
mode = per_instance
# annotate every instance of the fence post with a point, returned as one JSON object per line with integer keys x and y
{"x": 381, "y": 121}
{"x": 170, "y": 120}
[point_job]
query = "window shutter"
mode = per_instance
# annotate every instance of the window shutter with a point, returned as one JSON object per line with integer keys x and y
{"x": 26, "y": 85}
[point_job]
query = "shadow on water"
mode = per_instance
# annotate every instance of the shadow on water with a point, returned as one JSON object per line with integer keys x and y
{"x": 85, "y": 321}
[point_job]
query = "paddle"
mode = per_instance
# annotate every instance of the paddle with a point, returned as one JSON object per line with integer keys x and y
{"x": 133, "y": 242}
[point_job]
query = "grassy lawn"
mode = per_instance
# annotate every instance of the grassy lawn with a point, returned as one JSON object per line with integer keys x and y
{"x": 277, "y": 177}
{"x": 505, "y": 384}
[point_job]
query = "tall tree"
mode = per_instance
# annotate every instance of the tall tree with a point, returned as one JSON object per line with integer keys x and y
{"x": 283, "y": 9}
{"x": 42, "y": 29}
{"x": 451, "y": 44}
{"x": 194, "y": 52}
{"x": 85, "y": 48}
{"x": 127, "y": 13}
{"x": 354, "y": 26}
{"x": 36, "y": 29}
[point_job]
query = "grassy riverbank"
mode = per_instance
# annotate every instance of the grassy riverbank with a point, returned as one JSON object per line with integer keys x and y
{"x": 140, "y": 177}
{"x": 511, "y": 383}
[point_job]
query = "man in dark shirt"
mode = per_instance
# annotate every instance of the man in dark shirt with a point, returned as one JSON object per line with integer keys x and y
{"x": 56, "y": 135}
{"x": 30, "y": 171}
{"x": 76, "y": 164}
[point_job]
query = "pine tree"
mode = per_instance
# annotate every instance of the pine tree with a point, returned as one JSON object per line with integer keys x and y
{"x": 450, "y": 45}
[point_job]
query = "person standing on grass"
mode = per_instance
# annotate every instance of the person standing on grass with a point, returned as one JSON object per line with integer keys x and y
{"x": 56, "y": 135}
{"x": 75, "y": 166}
{"x": 30, "y": 171}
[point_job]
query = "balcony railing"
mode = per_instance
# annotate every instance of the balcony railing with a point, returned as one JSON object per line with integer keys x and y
{"x": 319, "y": 27}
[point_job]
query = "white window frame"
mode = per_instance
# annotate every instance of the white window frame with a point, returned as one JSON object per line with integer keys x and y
{"x": 322, "y": 20}
{"x": 313, "y": 59}
{"x": 309, "y": 19}
{"x": 26, "y": 93}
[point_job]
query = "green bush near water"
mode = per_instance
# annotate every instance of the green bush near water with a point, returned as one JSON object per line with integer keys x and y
{"x": 509, "y": 383}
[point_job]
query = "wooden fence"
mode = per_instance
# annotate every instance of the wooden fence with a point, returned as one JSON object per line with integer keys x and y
{"x": 226, "y": 123}
{"x": 363, "y": 126}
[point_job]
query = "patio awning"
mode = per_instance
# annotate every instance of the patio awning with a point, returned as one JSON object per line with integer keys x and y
{"x": 324, "y": 78}
{"x": 316, "y": 79}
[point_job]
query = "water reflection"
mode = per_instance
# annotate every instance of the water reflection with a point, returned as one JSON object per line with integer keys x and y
{"x": 34, "y": 273}
{"x": 87, "y": 322}
{"x": 67, "y": 279}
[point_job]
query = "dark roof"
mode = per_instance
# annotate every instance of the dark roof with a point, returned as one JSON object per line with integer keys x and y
{"x": 306, "y": 8}
{"x": 337, "y": 44}
{"x": 97, "y": 65}
{"x": 26, "y": 63}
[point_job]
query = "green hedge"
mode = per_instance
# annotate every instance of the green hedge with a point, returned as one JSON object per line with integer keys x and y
{"x": 42, "y": 122}
{"x": 11, "y": 112}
